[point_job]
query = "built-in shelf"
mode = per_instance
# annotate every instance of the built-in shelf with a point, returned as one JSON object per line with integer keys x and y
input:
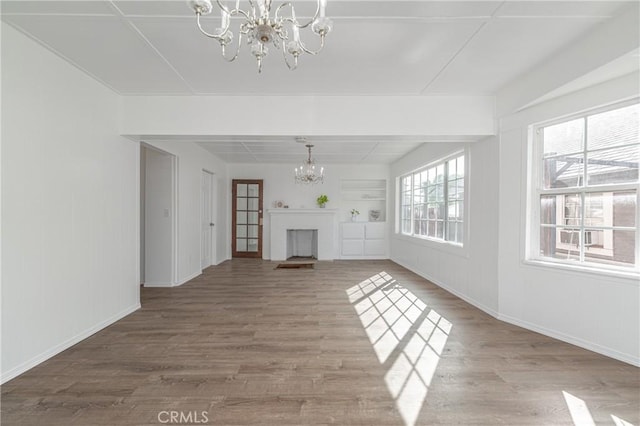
{"x": 365, "y": 195}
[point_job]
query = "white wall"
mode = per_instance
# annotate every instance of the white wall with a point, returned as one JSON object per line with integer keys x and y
{"x": 598, "y": 312}
{"x": 70, "y": 207}
{"x": 469, "y": 272}
{"x": 280, "y": 186}
{"x": 192, "y": 159}
{"x": 158, "y": 207}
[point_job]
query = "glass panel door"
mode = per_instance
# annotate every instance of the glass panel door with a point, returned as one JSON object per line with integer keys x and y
{"x": 247, "y": 218}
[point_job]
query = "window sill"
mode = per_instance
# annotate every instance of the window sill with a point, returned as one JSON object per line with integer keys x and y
{"x": 444, "y": 246}
{"x": 631, "y": 276}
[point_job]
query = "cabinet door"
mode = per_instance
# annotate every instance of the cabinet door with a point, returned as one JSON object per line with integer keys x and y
{"x": 375, "y": 230}
{"x": 352, "y": 231}
{"x": 374, "y": 247}
{"x": 352, "y": 247}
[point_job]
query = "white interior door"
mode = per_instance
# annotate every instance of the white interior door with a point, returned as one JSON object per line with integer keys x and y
{"x": 207, "y": 221}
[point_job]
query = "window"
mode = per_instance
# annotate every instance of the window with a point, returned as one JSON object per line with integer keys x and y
{"x": 432, "y": 201}
{"x": 586, "y": 175}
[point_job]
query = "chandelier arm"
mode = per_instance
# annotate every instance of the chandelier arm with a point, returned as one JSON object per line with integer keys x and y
{"x": 237, "y": 49}
{"x": 286, "y": 61}
{"x": 214, "y": 36}
{"x": 253, "y": 5}
{"x": 313, "y": 52}
{"x": 236, "y": 11}
{"x": 293, "y": 20}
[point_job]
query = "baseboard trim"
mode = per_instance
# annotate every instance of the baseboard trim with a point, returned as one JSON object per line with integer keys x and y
{"x": 456, "y": 293}
{"x": 190, "y": 277}
{"x": 49, "y": 353}
{"x": 594, "y": 347}
{"x": 157, "y": 284}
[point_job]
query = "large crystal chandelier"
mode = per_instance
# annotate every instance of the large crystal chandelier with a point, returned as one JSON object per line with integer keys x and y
{"x": 261, "y": 28}
{"x": 308, "y": 172}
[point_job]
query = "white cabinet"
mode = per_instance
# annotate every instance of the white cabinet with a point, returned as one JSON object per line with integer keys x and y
{"x": 363, "y": 240}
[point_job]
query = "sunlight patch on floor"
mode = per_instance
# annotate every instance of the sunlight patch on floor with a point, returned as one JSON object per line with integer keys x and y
{"x": 581, "y": 415}
{"x": 404, "y": 334}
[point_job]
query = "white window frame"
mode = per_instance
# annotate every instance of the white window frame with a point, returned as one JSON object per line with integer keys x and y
{"x": 536, "y": 190}
{"x": 441, "y": 161}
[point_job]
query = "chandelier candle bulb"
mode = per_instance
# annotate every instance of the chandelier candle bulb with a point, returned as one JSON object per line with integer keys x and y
{"x": 323, "y": 6}
{"x": 296, "y": 34}
{"x": 224, "y": 20}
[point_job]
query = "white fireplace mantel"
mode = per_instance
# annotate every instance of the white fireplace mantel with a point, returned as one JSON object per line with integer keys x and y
{"x": 322, "y": 220}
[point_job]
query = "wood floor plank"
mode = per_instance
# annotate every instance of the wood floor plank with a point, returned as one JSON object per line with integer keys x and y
{"x": 346, "y": 343}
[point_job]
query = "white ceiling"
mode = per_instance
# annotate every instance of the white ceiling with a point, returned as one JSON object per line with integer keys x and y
{"x": 377, "y": 47}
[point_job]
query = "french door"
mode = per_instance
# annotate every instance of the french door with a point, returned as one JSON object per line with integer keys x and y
{"x": 246, "y": 218}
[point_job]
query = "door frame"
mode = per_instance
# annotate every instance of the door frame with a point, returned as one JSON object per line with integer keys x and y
{"x": 213, "y": 218}
{"x": 247, "y": 254}
{"x": 173, "y": 279}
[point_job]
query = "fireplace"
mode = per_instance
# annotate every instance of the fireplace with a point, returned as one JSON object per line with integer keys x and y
{"x": 302, "y": 243}
{"x": 322, "y": 221}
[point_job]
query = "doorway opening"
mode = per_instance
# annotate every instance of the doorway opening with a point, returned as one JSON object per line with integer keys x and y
{"x": 158, "y": 226}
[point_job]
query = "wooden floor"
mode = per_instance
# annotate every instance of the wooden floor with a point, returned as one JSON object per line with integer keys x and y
{"x": 346, "y": 343}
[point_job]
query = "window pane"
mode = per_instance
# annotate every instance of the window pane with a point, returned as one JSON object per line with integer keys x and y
{"x": 572, "y": 210}
{"x": 451, "y": 232}
{"x": 563, "y": 138}
{"x": 253, "y": 204}
{"x": 253, "y": 231}
{"x": 440, "y": 192}
{"x": 624, "y": 208}
{"x": 594, "y": 209}
{"x": 241, "y": 217}
{"x": 432, "y": 176}
{"x": 460, "y": 166}
{"x": 563, "y": 171}
{"x": 242, "y": 190}
{"x": 560, "y": 243}
{"x": 611, "y": 128}
{"x": 417, "y": 183}
{"x": 451, "y": 190}
{"x": 406, "y": 226}
{"x": 548, "y": 209}
{"x": 440, "y": 229}
{"x": 253, "y": 218}
{"x": 253, "y": 190}
{"x": 611, "y": 247}
{"x": 440, "y": 173}
{"x": 451, "y": 169}
{"x": 460, "y": 184}
{"x": 241, "y": 203}
{"x": 252, "y": 245}
{"x": 241, "y": 244}
{"x": 241, "y": 230}
{"x": 406, "y": 183}
{"x": 431, "y": 228}
{"x": 617, "y": 165}
{"x": 459, "y": 232}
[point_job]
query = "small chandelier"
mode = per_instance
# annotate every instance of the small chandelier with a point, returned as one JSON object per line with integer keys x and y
{"x": 261, "y": 28}
{"x": 307, "y": 172}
